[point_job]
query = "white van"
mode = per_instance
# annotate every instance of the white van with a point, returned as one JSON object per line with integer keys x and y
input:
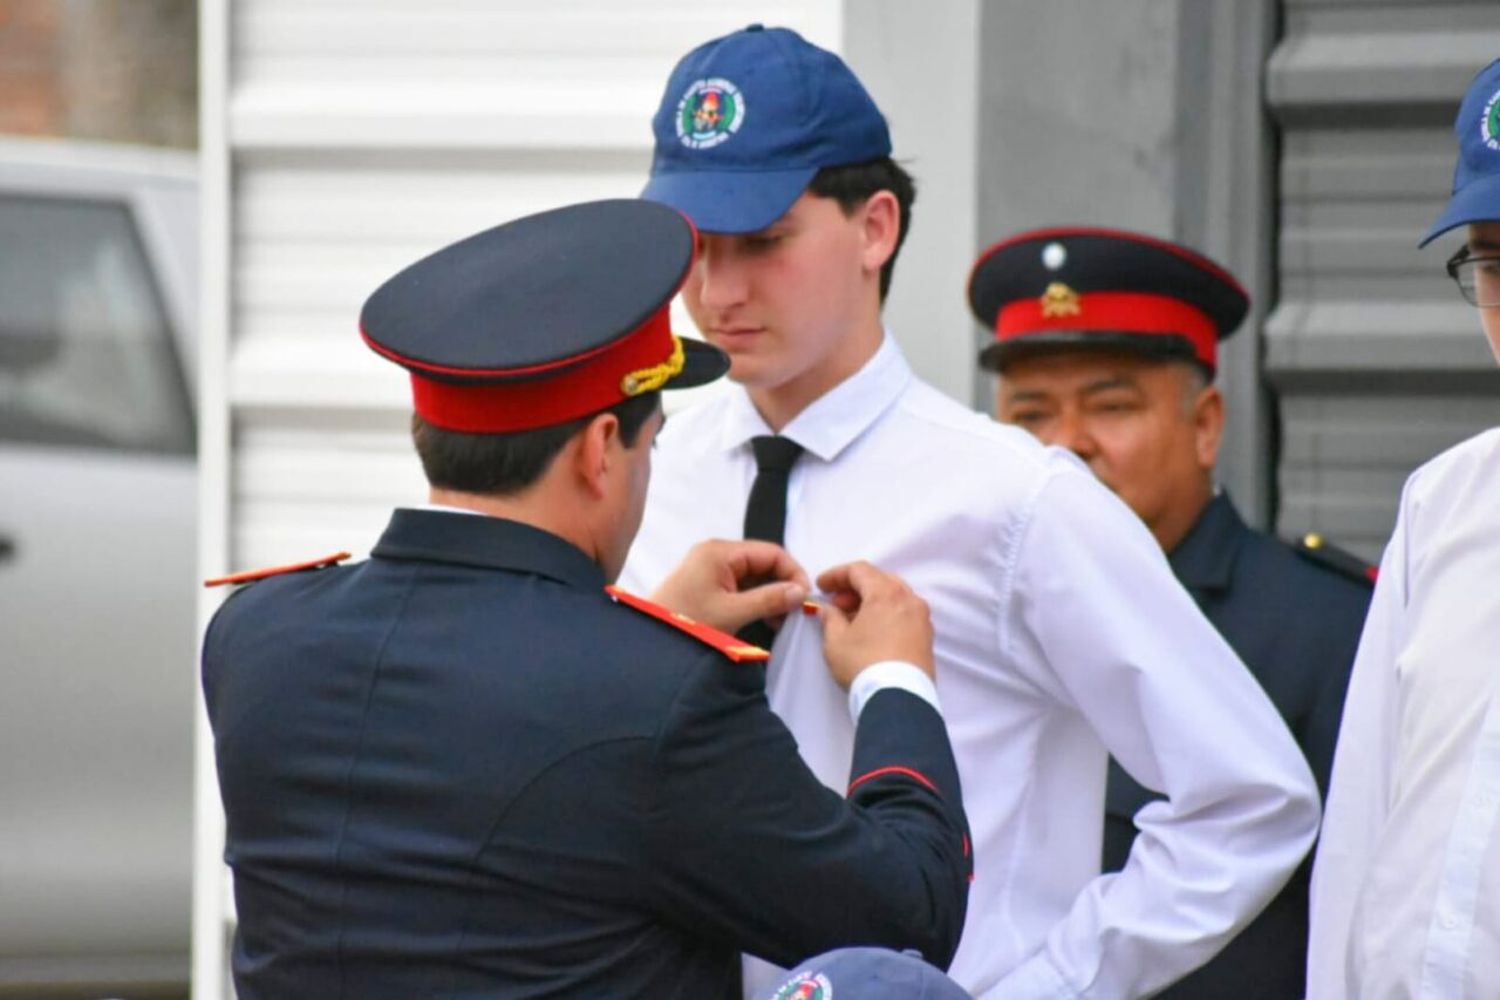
{"x": 98, "y": 278}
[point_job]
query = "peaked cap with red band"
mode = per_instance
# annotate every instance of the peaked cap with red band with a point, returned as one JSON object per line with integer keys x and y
{"x": 543, "y": 320}
{"x": 1081, "y": 287}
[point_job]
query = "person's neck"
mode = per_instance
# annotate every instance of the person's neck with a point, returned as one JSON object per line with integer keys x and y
{"x": 779, "y": 405}
{"x": 537, "y": 506}
{"x": 1171, "y": 529}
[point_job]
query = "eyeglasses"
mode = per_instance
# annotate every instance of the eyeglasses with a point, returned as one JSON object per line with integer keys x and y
{"x": 1478, "y": 278}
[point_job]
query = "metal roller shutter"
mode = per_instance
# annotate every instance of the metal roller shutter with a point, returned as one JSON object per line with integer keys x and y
{"x": 1377, "y": 362}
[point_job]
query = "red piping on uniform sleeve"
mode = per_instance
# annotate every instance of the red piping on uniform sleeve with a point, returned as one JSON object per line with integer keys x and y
{"x": 917, "y": 775}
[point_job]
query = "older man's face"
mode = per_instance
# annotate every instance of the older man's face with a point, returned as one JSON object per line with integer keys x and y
{"x": 1149, "y": 429}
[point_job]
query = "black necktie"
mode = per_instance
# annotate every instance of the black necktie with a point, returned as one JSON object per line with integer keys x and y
{"x": 765, "y": 515}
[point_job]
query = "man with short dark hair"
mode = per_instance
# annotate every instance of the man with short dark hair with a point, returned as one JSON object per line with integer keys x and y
{"x": 505, "y": 463}
{"x": 468, "y": 767}
{"x": 1059, "y": 628}
{"x": 1107, "y": 344}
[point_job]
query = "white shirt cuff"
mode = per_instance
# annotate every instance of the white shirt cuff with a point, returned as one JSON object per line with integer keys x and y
{"x": 890, "y": 674}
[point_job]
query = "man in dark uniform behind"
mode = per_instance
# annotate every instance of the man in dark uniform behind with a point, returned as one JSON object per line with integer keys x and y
{"x": 1106, "y": 344}
{"x": 466, "y": 767}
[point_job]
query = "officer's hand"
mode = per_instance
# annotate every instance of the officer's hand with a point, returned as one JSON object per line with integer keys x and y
{"x": 706, "y": 584}
{"x": 872, "y": 616}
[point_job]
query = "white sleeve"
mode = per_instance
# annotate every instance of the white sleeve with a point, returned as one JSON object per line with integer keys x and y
{"x": 1098, "y": 622}
{"x": 1359, "y": 791}
{"x": 885, "y": 674}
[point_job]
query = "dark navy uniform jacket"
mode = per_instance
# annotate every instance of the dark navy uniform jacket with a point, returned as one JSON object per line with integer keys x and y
{"x": 1296, "y": 624}
{"x": 460, "y": 769}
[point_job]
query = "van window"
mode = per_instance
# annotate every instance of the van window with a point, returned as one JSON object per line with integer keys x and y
{"x": 86, "y": 354}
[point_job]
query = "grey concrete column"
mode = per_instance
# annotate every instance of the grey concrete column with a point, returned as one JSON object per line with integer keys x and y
{"x": 920, "y": 62}
{"x": 1147, "y": 115}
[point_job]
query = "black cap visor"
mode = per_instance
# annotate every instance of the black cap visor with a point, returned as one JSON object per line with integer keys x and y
{"x": 1156, "y": 346}
{"x": 702, "y": 363}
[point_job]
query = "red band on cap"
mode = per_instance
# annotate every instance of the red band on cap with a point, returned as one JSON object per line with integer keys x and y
{"x": 1114, "y": 312}
{"x": 554, "y": 397}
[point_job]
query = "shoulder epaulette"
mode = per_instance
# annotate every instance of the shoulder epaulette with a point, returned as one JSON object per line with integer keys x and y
{"x": 733, "y": 647}
{"x": 1316, "y": 548}
{"x": 251, "y": 575}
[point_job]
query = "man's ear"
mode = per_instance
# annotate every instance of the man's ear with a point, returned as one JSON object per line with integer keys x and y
{"x": 1208, "y": 426}
{"x": 593, "y": 455}
{"x": 881, "y": 225}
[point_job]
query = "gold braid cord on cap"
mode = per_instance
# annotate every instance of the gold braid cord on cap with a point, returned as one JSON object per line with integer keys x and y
{"x": 653, "y": 378}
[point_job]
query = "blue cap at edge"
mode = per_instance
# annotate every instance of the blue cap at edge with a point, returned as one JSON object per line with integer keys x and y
{"x": 1476, "y": 176}
{"x": 869, "y": 974}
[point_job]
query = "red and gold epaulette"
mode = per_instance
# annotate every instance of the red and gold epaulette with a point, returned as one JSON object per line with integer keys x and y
{"x": 260, "y": 574}
{"x": 733, "y": 647}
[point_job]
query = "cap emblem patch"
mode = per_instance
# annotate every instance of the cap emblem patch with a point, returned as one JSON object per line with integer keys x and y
{"x": 1054, "y": 256}
{"x": 1060, "y": 300}
{"x": 1489, "y": 123}
{"x": 709, "y": 113}
{"x": 807, "y": 986}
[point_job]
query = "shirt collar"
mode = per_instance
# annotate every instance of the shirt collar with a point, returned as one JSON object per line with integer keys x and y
{"x": 1205, "y": 556}
{"x": 834, "y": 419}
{"x": 443, "y": 508}
{"x": 471, "y": 539}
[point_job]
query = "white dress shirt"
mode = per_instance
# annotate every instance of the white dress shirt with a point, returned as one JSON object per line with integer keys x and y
{"x": 1406, "y": 888}
{"x": 1060, "y": 633}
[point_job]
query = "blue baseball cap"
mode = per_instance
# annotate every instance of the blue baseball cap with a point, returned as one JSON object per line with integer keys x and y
{"x": 869, "y": 974}
{"x": 1476, "y": 178}
{"x": 748, "y": 119}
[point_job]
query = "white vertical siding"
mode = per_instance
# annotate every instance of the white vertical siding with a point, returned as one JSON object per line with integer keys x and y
{"x": 211, "y": 899}
{"x": 362, "y": 135}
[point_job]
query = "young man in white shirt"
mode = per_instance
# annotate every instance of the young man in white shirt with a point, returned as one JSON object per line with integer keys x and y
{"x": 1059, "y": 629}
{"x": 1406, "y": 885}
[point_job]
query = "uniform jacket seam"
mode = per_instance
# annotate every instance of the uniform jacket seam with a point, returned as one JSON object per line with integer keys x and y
{"x": 348, "y": 781}
{"x": 473, "y": 866}
{"x": 708, "y": 661}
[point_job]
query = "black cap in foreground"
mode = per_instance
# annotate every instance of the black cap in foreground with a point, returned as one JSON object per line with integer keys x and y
{"x": 544, "y": 319}
{"x": 1085, "y": 287}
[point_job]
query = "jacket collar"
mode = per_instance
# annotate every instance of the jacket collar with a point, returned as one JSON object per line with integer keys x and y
{"x": 1204, "y": 559}
{"x": 486, "y": 542}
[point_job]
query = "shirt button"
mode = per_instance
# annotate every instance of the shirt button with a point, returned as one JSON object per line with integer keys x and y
{"x": 1447, "y": 921}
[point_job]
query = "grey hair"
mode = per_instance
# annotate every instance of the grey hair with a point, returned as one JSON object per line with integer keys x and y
{"x": 1195, "y": 379}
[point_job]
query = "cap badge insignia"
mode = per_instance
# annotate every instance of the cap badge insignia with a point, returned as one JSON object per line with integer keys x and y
{"x": 1054, "y": 256}
{"x": 1060, "y": 300}
{"x": 709, "y": 113}
{"x": 1489, "y": 123}
{"x": 807, "y": 986}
